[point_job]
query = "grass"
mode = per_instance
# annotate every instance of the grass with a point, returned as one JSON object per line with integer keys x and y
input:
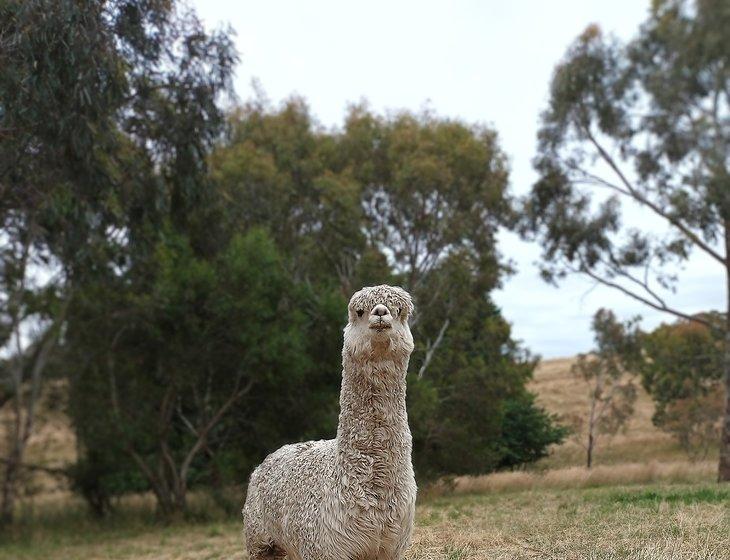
{"x": 579, "y": 477}
{"x": 640, "y": 441}
{"x": 657, "y": 520}
{"x": 649, "y": 521}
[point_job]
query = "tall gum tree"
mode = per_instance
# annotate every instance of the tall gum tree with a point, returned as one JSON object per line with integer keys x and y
{"x": 645, "y": 123}
{"x": 108, "y": 109}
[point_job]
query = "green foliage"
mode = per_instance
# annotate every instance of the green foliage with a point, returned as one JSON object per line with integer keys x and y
{"x": 204, "y": 260}
{"x": 459, "y": 405}
{"x": 194, "y": 337}
{"x": 680, "y": 360}
{"x": 682, "y": 371}
{"x": 108, "y": 109}
{"x": 527, "y": 432}
{"x": 409, "y": 199}
{"x": 276, "y": 169}
{"x": 104, "y": 472}
{"x": 644, "y": 123}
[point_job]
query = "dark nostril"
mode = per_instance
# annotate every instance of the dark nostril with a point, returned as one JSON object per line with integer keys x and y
{"x": 380, "y": 310}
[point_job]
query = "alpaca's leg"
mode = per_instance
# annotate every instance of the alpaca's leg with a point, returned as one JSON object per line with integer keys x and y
{"x": 264, "y": 551}
{"x": 397, "y": 539}
{"x": 259, "y": 545}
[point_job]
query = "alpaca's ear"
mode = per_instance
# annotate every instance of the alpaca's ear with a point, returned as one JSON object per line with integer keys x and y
{"x": 406, "y": 299}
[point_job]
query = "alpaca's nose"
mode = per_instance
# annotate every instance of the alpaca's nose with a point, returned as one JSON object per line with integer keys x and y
{"x": 379, "y": 310}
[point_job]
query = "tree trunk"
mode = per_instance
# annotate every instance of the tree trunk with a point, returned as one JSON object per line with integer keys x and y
{"x": 589, "y": 451}
{"x": 171, "y": 501}
{"x": 7, "y": 506}
{"x": 723, "y": 473}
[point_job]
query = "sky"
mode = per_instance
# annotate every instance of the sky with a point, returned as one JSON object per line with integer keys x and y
{"x": 483, "y": 61}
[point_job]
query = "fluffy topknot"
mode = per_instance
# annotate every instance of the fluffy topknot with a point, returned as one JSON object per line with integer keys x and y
{"x": 394, "y": 298}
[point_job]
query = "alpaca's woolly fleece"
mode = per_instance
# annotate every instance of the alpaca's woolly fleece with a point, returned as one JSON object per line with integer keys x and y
{"x": 352, "y": 497}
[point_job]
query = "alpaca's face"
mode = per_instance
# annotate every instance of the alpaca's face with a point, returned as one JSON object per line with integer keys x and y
{"x": 378, "y": 322}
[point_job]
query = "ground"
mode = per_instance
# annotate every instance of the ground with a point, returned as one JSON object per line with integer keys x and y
{"x": 637, "y": 521}
{"x": 643, "y": 500}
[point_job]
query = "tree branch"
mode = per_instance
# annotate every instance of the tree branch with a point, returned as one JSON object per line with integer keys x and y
{"x": 664, "y": 308}
{"x": 55, "y": 471}
{"x": 432, "y": 348}
{"x": 638, "y": 197}
{"x": 203, "y": 433}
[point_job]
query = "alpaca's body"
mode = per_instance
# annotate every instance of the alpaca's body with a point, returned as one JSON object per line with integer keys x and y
{"x": 352, "y": 497}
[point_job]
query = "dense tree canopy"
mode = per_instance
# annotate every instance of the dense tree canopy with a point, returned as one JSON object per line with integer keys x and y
{"x": 681, "y": 368}
{"x": 415, "y": 200}
{"x": 107, "y": 111}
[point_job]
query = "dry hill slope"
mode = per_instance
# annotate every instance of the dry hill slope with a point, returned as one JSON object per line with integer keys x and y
{"x": 562, "y": 393}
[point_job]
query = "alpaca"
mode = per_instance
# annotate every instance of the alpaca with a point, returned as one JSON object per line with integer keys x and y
{"x": 352, "y": 497}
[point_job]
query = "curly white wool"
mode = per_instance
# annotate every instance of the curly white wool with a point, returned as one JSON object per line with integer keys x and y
{"x": 352, "y": 497}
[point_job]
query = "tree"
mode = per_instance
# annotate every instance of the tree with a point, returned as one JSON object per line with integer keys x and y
{"x": 52, "y": 111}
{"x": 528, "y": 431}
{"x": 647, "y": 124}
{"x": 464, "y": 407}
{"x": 607, "y": 371}
{"x": 107, "y": 112}
{"x": 277, "y": 169}
{"x": 681, "y": 368}
{"x": 431, "y": 188}
{"x": 415, "y": 200}
{"x": 186, "y": 348}
{"x": 30, "y": 322}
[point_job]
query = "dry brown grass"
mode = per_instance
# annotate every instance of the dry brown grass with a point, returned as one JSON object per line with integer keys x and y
{"x": 579, "y": 477}
{"x": 562, "y": 394}
{"x": 52, "y": 443}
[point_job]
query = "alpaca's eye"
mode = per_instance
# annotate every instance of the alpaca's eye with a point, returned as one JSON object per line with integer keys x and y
{"x": 359, "y": 312}
{"x": 398, "y": 314}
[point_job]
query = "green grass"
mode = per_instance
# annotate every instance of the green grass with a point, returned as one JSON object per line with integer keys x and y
{"x": 685, "y": 496}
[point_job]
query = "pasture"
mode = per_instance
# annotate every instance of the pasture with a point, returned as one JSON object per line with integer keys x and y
{"x": 657, "y": 520}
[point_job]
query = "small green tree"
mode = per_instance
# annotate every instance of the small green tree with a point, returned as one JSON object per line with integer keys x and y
{"x": 607, "y": 371}
{"x": 681, "y": 368}
{"x": 528, "y": 431}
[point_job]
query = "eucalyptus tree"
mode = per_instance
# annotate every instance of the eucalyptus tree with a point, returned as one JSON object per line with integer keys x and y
{"x": 608, "y": 372}
{"x": 107, "y": 110}
{"x": 646, "y": 125}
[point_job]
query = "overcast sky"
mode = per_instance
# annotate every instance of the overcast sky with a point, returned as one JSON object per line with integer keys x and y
{"x": 483, "y": 61}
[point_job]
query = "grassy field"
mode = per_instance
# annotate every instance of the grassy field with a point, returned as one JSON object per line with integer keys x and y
{"x": 642, "y": 500}
{"x": 636, "y": 521}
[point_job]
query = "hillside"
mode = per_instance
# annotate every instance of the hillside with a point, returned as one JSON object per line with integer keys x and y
{"x": 52, "y": 443}
{"x": 561, "y": 393}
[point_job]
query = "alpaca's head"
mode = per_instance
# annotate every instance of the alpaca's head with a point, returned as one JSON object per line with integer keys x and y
{"x": 378, "y": 323}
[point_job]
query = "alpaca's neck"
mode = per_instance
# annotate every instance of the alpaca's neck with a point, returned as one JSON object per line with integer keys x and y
{"x": 373, "y": 420}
